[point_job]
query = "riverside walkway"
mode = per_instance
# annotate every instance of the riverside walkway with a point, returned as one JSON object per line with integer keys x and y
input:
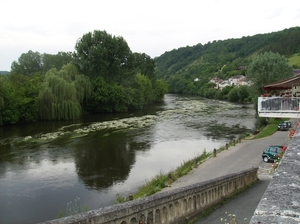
{"x": 242, "y": 156}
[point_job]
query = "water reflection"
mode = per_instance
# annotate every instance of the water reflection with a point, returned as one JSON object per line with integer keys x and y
{"x": 105, "y": 161}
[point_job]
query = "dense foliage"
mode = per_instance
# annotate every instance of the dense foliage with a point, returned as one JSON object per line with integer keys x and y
{"x": 267, "y": 68}
{"x": 103, "y": 75}
{"x": 101, "y": 54}
{"x": 62, "y": 94}
{"x": 223, "y": 59}
{"x": 31, "y": 62}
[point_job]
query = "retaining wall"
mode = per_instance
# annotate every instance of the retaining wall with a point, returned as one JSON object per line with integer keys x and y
{"x": 281, "y": 201}
{"x": 174, "y": 206}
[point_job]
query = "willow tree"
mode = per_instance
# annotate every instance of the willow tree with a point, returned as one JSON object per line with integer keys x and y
{"x": 62, "y": 94}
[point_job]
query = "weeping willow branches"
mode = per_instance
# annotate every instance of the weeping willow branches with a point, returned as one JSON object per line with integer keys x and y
{"x": 63, "y": 94}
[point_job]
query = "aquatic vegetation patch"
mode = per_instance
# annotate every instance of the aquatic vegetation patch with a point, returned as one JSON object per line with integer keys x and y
{"x": 113, "y": 125}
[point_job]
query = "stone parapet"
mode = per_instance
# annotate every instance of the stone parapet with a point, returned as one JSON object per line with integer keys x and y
{"x": 173, "y": 206}
{"x": 281, "y": 201}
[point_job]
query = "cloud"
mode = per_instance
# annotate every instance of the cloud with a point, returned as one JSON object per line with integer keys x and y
{"x": 151, "y": 27}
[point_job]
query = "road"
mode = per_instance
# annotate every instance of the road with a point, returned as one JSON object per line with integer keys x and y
{"x": 242, "y": 156}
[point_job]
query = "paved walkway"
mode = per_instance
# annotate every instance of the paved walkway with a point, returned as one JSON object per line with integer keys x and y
{"x": 242, "y": 156}
{"x": 242, "y": 205}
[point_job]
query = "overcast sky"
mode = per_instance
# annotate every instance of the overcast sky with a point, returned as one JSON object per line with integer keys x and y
{"x": 151, "y": 27}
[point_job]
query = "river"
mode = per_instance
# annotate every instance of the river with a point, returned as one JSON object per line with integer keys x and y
{"x": 45, "y": 165}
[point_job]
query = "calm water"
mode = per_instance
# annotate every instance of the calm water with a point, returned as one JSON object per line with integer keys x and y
{"x": 45, "y": 165}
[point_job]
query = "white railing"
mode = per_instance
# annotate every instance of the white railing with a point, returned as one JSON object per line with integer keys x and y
{"x": 287, "y": 107}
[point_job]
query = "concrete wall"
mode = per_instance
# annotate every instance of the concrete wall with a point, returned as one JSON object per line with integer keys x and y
{"x": 281, "y": 201}
{"x": 174, "y": 206}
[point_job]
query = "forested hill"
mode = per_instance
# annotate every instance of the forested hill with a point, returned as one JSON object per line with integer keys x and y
{"x": 222, "y": 57}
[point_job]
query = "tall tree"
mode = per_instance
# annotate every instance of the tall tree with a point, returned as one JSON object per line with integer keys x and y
{"x": 28, "y": 63}
{"x": 101, "y": 54}
{"x": 266, "y": 68}
{"x": 145, "y": 65}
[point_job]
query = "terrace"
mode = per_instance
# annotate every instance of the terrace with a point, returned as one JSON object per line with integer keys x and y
{"x": 286, "y": 104}
{"x": 283, "y": 107}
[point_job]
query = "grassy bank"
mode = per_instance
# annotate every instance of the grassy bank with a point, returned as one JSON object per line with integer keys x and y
{"x": 269, "y": 129}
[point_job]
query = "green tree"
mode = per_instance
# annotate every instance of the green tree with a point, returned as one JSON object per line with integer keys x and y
{"x": 160, "y": 90}
{"x": 62, "y": 93}
{"x": 108, "y": 97}
{"x": 210, "y": 93}
{"x": 145, "y": 65}
{"x": 243, "y": 93}
{"x": 233, "y": 95}
{"x": 56, "y": 60}
{"x": 28, "y": 63}
{"x": 266, "y": 68}
{"x": 27, "y": 88}
{"x": 177, "y": 84}
{"x": 101, "y": 54}
{"x": 18, "y": 97}
{"x": 11, "y": 100}
{"x": 144, "y": 89}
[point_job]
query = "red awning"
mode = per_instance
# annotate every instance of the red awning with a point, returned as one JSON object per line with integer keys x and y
{"x": 284, "y": 84}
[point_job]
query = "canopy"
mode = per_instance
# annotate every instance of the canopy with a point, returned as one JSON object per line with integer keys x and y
{"x": 284, "y": 84}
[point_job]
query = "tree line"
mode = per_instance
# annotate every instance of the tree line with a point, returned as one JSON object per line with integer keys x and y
{"x": 102, "y": 75}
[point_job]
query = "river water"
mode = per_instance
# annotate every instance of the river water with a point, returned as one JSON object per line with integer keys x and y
{"x": 45, "y": 165}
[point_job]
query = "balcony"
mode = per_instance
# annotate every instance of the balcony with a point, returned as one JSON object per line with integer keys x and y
{"x": 281, "y": 107}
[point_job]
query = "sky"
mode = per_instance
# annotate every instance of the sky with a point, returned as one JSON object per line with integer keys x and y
{"x": 150, "y": 27}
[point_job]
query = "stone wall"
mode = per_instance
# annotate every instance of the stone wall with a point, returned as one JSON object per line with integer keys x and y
{"x": 281, "y": 201}
{"x": 174, "y": 206}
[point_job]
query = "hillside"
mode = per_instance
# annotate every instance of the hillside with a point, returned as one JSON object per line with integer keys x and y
{"x": 222, "y": 58}
{"x": 4, "y": 72}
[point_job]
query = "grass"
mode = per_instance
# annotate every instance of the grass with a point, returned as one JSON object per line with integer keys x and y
{"x": 163, "y": 180}
{"x": 270, "y": 129}
{"x": 294, "y": 60}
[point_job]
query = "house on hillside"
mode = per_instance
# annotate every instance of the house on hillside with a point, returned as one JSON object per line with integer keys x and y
{"x": 238, "y": 80}
{"x": 223, "y": 84}
{"x": 220, "y": 83}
